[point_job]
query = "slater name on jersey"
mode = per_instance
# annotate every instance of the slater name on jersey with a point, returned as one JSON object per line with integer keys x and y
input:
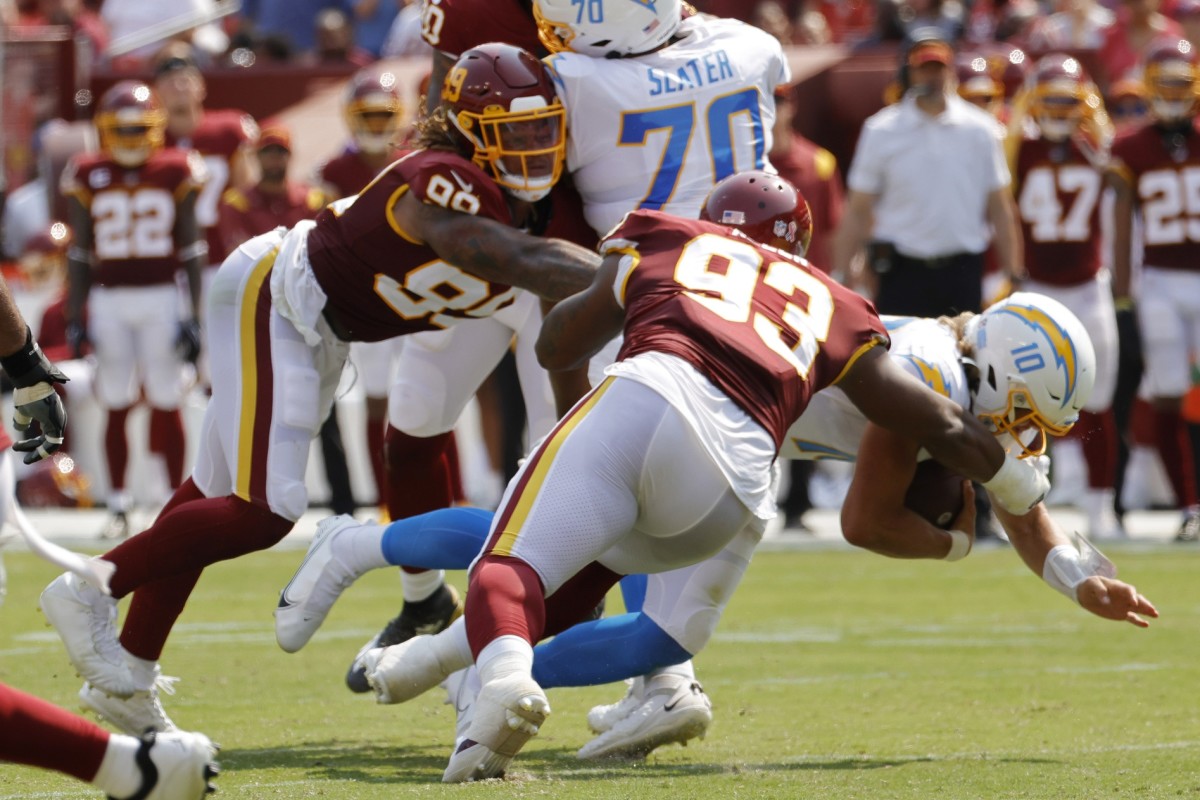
{"x": 710, "y": 68}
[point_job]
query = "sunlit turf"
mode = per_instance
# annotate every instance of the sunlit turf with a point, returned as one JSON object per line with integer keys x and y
{"x": 835, "y": 674}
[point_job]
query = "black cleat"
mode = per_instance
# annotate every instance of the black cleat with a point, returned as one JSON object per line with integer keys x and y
{"x": 429, "y": 616}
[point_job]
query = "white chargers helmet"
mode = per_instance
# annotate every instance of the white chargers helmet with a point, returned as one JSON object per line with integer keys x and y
{"x": 606, "y": 28}
{"x": 1036, "y": 368}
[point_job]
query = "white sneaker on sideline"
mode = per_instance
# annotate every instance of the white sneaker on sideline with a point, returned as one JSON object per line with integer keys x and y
{"x": 314, "y": 588}
{"x": 86, "y": 621}
{"x": 675, "y": 712}
{"x": 507, "y": 714}
{"x": 134, "y": 715}
{"x": 175, "y": 766}
{"x": 403, "y": 671}
{"x": 602, "y": 718}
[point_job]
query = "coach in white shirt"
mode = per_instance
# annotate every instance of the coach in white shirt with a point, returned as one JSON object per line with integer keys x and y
{"x": 929, "y": 187}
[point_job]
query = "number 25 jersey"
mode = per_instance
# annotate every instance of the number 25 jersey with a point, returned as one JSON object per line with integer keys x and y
{"x": 659, "y": 130}
{"x": 1164, "y": 170}
{"x": 764, "y": 327}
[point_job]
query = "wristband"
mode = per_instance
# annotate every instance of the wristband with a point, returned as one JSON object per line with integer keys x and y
{"x": 960, "y": 546}
{"x": 26, "y": 360}
{"x": 1017, "y": 487}
{"x": 1123, "y": 304}
{"x": 1065, "y": 569}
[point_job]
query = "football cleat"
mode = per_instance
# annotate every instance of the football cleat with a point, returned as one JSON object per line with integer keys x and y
{"x": 1189, "y": 531}
{"x": 314, "y": 588}
{"x": 507, "y": 714}
{"x": 174, "y": 766}
{"x": 602, "y": 718}
{"x": 674, "y": 711}
{"x": 424, "y": 618}
{"x": 462, "y": 690}
{"x": 86, "y": 621}
{"x": 404, "y": 671}
{"x": 117, "y": 527}
{"x": 134, "y": 715}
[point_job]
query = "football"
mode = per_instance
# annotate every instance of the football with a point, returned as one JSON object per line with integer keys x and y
{"x": 935, "y": 493}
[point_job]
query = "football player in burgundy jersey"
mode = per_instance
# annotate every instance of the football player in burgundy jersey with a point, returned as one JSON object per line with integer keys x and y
{"x": 274, "y": 200}
{"x": 132, "y": 208}
{"x": 1058, "y": 149}
{"x": 373, "y": 114}
{"x": 683, "y": 605}
{"x": 725, "y": 342}
{"x": 418, "y": 454}
{"x": 433, "y": 240}
{"x": 1154, "y": 169}
{"x": 36, "y": 733}
{"x": 224, "y": 138}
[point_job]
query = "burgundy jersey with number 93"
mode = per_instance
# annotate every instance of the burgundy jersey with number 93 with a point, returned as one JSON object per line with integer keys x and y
{"x": 765, "y": 327}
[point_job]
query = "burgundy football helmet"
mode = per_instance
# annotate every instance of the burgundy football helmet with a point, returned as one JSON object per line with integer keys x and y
{"x": 502, "y": 101}
{"x": 977, "y": 83}
{"x": 1171, "y": 80}
{"x": 131, "y": 123}
{"x": 763, "y": 206}
{"x": 373, "y": 109}
{"x": 1061, "y": 96}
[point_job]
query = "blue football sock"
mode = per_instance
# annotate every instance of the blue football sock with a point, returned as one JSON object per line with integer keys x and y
{"x": 633, "y": 592}
{"x": 605, "y": 650}
{"x": 448, "y": 538}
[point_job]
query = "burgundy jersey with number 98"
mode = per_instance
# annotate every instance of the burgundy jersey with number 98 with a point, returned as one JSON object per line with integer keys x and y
{"x": 378, "y": 279}
{"x": 765, "y": 327}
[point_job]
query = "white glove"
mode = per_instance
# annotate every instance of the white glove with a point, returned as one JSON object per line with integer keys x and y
{"x": 1018, "y": 486}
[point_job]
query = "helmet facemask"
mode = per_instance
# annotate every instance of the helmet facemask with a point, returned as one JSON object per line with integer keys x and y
{"x": 523, "y": 148}
{"x": 1172, "y": 89}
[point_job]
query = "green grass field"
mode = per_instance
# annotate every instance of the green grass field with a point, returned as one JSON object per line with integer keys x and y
{"x": 834, "y": 675}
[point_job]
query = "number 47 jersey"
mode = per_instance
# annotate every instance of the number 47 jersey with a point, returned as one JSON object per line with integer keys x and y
{"x": 657, "y": 131}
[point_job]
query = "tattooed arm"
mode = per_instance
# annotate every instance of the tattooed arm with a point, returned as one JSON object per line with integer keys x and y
{"x": 550, "y": 268}
{"x": 578, "y": 327}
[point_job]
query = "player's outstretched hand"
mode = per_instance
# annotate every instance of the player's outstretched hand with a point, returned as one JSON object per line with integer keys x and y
{"x": 1116, "y": 600}
{"x": 41, "y": 404}
{"x": 34, "y": 400}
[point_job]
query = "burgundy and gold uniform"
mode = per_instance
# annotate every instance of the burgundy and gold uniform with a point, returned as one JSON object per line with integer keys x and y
{"x": 218, "y": 138}
{"x": 245, "y": 213}
{"x": 1164, "y": 170}
{"x": 133, "y": 212}
{"x": 379, "y": 282}
{"x": 1058, "y": 193}
{"x": 348, "y": 173}
{"x": 756, "y": 322}
{"x": 455, "y": 26}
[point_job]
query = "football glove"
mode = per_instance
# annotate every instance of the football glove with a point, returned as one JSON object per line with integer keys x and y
{"x": 187, "y": 343}
{"x": 34, "y": 400}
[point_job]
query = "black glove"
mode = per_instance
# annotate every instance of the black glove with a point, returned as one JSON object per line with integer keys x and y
{"x": 34, "y": 399}
{"x": 77, "y": 339}
{"x": 187, "y": 343}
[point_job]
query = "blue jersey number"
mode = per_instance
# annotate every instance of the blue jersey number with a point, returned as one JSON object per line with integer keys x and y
{"x": 594, "y": 9}
{"x": 679, "y": 122}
